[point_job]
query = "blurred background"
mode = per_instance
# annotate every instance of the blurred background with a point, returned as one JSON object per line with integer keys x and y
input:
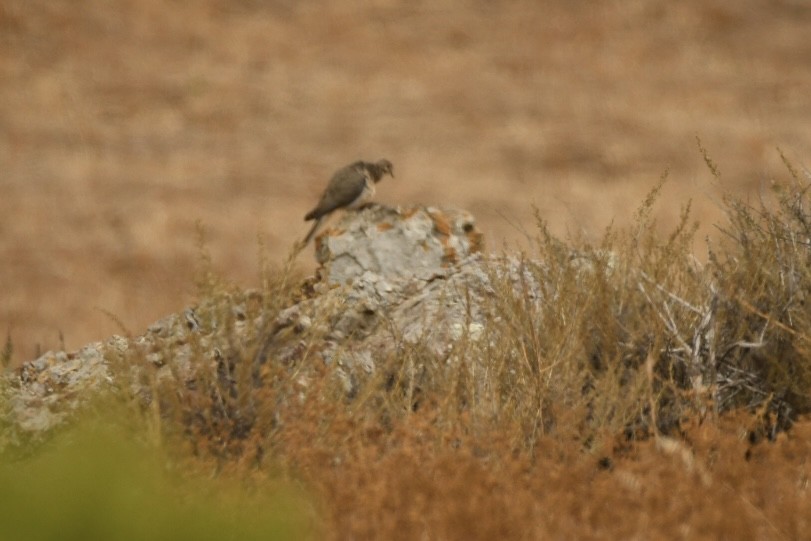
{"x": 125, "y": 122}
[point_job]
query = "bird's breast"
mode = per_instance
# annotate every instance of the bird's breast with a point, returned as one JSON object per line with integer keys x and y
{"x": 365, "y": 195}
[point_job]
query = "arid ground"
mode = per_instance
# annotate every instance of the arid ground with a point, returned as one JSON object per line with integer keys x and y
{"x": 123, "y": 124}
{"x": 128, "y": 126}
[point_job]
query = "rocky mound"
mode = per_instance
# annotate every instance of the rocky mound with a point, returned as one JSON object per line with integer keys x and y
{"x": 387, "y": 277}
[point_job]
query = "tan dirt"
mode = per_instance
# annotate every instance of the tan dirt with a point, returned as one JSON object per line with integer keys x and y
{"x": 123, "y": 123}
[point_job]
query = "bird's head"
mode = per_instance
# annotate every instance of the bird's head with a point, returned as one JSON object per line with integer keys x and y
{"x": 385, "y": 167}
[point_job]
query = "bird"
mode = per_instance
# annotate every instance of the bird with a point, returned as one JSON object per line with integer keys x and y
{"x": 351, "y": 187}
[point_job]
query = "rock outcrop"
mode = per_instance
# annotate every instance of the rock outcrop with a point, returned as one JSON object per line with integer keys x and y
{"x": 397, "y": 243}
{"x": 387, "y": 277}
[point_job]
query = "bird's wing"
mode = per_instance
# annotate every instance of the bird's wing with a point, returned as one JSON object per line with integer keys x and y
{"x": 345, "y": 186}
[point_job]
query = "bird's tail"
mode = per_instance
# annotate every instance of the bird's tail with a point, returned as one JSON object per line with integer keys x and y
{"x": 311, "y": 234}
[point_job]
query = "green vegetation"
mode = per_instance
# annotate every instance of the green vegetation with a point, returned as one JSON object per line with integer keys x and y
{"x": 97, "y": 481}
{"x": 633, "y": 372}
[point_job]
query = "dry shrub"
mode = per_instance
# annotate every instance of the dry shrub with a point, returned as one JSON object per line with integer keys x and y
{"x": 619, "y": 389}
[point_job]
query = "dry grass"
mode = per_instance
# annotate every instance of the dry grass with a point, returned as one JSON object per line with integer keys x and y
{"x": 622, "y": 390}
{"x": 125, "y": 122}
{"x": 643, "y": 394}
{"x": 639, "y": 393}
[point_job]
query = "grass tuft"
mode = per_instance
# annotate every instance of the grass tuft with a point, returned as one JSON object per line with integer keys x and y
{"x": 7, "y": 352}
{"x": 624, "y": 370}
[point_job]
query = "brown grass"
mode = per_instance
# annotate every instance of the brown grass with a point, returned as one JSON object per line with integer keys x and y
{"x": 636, "y": 393}
{"x": 125, "y": 122}
{"x": 652, "y": 394}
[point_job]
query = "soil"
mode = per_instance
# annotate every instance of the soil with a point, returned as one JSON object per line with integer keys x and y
{"x": 125, "y": 124}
